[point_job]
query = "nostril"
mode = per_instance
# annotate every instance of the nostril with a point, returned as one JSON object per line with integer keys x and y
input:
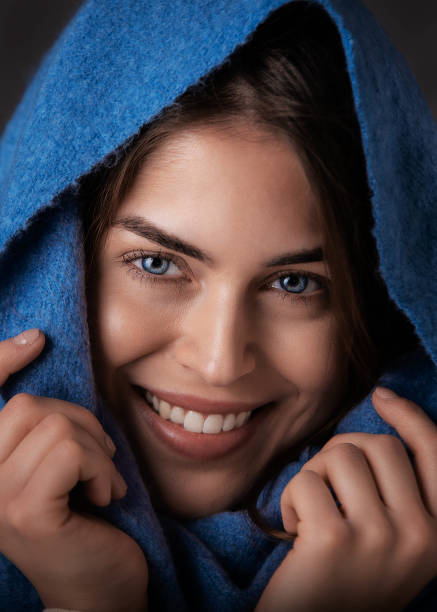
{"x": 219, "y": 356}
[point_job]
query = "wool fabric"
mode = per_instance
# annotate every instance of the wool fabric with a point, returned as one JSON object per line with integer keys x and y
{"x": 115, "y": 66}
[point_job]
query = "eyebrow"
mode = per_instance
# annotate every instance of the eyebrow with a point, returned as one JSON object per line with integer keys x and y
{"x": 145, "y": 229}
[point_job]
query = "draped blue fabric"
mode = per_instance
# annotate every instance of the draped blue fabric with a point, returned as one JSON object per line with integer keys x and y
{"x": 113, "y": 69}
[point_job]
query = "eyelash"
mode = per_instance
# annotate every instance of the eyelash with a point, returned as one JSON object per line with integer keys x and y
{"x": 147, "y": 277}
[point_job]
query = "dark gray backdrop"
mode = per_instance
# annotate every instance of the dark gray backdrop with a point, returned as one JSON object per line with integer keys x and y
{"x": 28, "y": 28}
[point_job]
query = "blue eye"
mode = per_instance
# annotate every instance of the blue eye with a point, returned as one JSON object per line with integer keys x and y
{"x": 155, "y": 265}
{"x": 299, "y": 285}
{"x": 294, "y": 283}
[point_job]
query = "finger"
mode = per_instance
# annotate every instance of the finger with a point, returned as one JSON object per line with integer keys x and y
{"x": 23, "y": 412}
{"x": 344, "y": 467}
{"x": 50, "y": 431}
{"x": 410, "y": 421}
{"x": 393, "y": 472}
{"x": 308, "y": 499}
{"x": 420, "y": 435}
{"x": 45, "y": 497}
{"x": 18, "y": 352}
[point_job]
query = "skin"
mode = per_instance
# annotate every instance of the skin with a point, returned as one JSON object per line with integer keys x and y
{"x": 374, "y": 553}
{"x": 243, "y": 196}
{"x": 377, "y": 551}
{"x": 46, "y": 447}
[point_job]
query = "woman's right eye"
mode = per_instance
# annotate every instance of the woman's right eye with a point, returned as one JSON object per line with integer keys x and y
{"x": 156, "y": 265}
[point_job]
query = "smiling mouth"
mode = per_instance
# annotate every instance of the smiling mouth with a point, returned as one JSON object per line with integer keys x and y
{"x": 194, "y": 421}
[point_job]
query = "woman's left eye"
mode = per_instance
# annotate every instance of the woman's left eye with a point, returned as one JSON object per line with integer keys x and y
{"x": 297, "y": 283}
{"x": 301, "y": 287}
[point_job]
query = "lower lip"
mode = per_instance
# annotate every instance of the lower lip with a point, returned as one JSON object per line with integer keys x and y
{"x": 197, "y": 445}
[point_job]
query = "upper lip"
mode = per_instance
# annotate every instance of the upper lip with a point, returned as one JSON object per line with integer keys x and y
{"x": 200, "y": 404}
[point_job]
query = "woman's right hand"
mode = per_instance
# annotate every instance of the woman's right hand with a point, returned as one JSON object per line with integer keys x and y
{"x": 47, "y": 446}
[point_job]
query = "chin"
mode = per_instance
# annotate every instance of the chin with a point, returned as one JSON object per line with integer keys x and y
{"x": 191, "y": 496}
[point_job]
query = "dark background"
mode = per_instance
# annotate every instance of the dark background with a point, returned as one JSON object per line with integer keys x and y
{"x": 29, "y": 27}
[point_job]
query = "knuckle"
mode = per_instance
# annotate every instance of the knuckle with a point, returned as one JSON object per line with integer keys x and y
{"x": 58, "y": 424}
{"x": 335, "y": 440}
{"x": 302, "y": 477}
{"x": 420, "y": 540}
{"x": 292, "y": 488}
{"x": 69, "y": 450}
{"x": 304, "y": 474}
{"x": 87, "y": 420}
{"x": 345, "y": 451}
{"x": 23, "y": 404}
{"x": 334, "y": 536}
{"x": 379, "y": 536}
{"x": 17, "y": 516}
{"x": 88, "y": 417}
{"x": 355, "y": 438}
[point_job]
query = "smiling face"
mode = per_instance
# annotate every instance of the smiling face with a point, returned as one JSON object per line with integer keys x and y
{"x": 210, "y": 294}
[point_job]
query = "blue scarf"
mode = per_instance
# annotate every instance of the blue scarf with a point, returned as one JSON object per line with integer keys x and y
{"x": 113, "y": 68}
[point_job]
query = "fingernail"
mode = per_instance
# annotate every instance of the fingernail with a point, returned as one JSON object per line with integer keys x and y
{"x": 385, "y": 393}
{"x": 110, "y": 444}
{"x": 29, "y": 336}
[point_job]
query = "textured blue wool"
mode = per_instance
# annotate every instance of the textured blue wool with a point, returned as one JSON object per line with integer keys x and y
{"x": 113, "y": 69}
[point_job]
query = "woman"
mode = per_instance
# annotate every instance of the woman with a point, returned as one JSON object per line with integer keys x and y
{"x": 262, "y": 157}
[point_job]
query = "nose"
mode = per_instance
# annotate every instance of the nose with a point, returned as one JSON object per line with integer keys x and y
{"x": 214, "y": 339}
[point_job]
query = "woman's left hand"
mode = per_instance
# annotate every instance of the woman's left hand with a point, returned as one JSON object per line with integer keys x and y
{"x": 379, "y": 548}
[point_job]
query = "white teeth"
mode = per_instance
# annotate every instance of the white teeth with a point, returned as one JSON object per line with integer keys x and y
{"x": 197, "y": 422}
{"x": 193, "y": 421}
{"x": 164, "y": 409}
{"x": 213, "y": 424}
{"x": 229, "y": 422}
{"x": 241, "y": 418}
{"x": 177, "y": 415}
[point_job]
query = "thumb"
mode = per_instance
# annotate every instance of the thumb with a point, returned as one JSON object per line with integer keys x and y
{"x": 411, "y": 422}
{"x": 17, "y": 352}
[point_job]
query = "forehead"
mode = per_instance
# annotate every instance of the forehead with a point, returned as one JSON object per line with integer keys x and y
{"x": 236, "y": 180}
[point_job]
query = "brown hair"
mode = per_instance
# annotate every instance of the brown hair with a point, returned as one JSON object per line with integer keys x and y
{"x": 291, "y": 76}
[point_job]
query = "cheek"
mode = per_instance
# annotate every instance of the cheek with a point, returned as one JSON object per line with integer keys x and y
{"x": 307, "y": 353}
{"x": 129, "y": 325}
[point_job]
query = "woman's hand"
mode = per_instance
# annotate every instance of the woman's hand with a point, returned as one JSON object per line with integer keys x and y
{"x": 379, "y": 548}
{"x": 46, "y": 447}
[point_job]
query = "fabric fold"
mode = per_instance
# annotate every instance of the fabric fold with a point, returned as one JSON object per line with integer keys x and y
{"x": 68, "y": 124}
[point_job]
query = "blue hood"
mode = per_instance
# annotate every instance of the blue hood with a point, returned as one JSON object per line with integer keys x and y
{"x": 113, "y": 69}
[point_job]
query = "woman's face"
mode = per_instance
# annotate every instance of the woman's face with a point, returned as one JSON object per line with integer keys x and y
{"x": 211, "y": 295}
